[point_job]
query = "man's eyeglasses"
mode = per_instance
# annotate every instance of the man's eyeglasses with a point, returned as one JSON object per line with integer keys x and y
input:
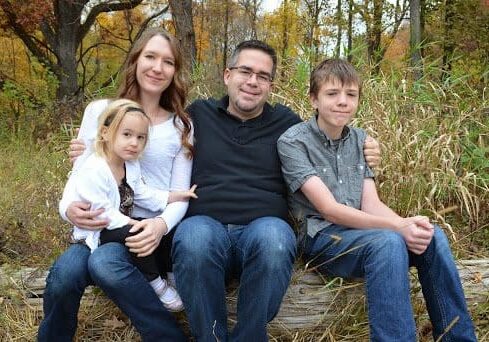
{"x": 247, "y": 73}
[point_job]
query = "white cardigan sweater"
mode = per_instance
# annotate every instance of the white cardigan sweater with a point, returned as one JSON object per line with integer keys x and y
{"x": 95, "y": 183}
{"x": 164, "y": 164}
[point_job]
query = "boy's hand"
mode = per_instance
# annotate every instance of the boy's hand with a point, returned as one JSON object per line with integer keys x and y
{"x": 80, "y": 215}
{"x": 417, "y": 232}
{"x": 182, "y": 196}
{"x": 371, "y": 150}
{"x": 77, "y": 147}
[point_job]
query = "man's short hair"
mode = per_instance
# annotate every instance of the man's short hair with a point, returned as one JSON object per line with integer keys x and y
{"x": 333, "y": 69}
{"x": 254, "y": 45}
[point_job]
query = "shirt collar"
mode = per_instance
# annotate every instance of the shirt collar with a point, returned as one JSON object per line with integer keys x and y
{"x": 313, "y": 124}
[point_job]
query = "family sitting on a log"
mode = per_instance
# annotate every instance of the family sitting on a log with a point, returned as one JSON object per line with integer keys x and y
{"x": 140, "y": 239}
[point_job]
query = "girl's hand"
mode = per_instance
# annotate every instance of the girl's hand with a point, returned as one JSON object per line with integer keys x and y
{"x": 77, "y": 147}
{"x": 80, "y": 215}
{"x": 147, "y": 240}
{"x": 182, "y": 196}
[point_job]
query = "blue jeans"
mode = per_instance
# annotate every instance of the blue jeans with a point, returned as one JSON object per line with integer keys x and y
{"x": 110, "y": 268}
{"x": 206, "y": 253}
{"x": 65, "y": 284}
{"x": 381, "y": 257}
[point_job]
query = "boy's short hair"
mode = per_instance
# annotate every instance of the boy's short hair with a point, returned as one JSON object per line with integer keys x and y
{"x": 333, "y": 69}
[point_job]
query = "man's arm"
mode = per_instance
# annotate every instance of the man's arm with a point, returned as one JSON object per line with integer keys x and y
{"x": 371, "y": 150}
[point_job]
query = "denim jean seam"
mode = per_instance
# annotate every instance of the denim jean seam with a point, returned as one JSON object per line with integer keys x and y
{"x": 439, "y": 301}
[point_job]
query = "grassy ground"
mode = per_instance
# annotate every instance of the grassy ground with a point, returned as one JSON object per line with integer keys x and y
{"x": 435, "y": 143}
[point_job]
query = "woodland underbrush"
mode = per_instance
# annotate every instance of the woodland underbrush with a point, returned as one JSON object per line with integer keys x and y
{"x": 435, "y": 162}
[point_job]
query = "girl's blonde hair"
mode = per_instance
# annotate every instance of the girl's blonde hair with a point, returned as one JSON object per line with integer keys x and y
{"x": 110, "y": 121}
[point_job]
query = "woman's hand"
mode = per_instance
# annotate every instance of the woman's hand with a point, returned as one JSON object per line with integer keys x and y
{"x": 80, "y": 215}
{"x": 148, "y": 238}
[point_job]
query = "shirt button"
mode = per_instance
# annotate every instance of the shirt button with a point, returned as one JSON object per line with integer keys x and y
{"x": 338, "y": 156}
{"x": 361, "y": 167}
{"x": 341, "y": 182}
{"x": 324, "y": 170}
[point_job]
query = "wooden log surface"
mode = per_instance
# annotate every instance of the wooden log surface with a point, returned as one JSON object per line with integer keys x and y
{"x": 310, "y": 302}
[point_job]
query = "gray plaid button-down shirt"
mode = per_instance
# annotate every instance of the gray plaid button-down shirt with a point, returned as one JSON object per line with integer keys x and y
{"x": 305, "y": 151}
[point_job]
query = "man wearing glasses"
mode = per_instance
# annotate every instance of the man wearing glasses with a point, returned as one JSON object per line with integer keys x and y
{"x": 238, "y": 225}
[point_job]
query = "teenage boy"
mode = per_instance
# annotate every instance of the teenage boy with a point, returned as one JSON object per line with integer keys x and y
{"x": 347, "y": 231}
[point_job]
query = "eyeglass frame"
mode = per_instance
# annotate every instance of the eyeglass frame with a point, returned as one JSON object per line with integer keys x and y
{"x": 247, "y": 73}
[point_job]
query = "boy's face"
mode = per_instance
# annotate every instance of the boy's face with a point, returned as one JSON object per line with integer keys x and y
{"x": 336, "y": 104}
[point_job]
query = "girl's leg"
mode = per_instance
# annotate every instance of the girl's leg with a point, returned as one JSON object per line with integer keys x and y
{"x": 147, "y": 265}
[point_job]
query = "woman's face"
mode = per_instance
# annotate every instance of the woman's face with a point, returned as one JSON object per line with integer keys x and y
{"x": 155, "y": 67}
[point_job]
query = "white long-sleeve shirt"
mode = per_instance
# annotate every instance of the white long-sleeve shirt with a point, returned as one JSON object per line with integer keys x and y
{"x": 164, "y": 164}
{"x": 95, "y": 183}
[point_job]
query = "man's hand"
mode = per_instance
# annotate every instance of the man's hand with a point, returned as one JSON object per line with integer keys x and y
{"x": 371, "y": 150}
{"x": 150, "y": 233}
{"x": 417, "y": 232}
{"x": 77, "y": 147}
{"x": 80, "y": 215}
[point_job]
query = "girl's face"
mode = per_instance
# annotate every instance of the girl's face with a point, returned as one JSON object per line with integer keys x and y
{"x": 130, "y": 138}
{"x": 155, "y": 67}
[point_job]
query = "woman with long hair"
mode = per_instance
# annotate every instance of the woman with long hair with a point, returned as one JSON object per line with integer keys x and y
{"x": 152, "y": 76}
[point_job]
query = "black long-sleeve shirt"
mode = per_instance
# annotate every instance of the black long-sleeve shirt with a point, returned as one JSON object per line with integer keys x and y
{"x": 236, "y": 165}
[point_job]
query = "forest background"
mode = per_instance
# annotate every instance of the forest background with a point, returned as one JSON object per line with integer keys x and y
{"x": 426, "y": 69}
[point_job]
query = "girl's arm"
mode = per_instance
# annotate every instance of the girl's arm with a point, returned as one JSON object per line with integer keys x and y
{"x": 182, "y": 196}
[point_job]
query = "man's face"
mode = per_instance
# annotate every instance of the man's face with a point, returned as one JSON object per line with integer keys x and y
{"x": 249, "y": 83}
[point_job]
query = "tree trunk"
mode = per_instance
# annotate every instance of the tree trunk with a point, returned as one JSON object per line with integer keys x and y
{"x": 312, "y": 302}
{"x": 62, "y": 33}
{"x": 226, "y": 36}
{"x": 285, "y": 34}
{"x": 182, "y": 16}
{"x": 375, "y": 50}
{"x": 415, "y": 38}
{"x": 65, "y": 48}
{"x": 350, "y": 30}
{"x": 448, "y": 43}
{"x": 339, "y": 23}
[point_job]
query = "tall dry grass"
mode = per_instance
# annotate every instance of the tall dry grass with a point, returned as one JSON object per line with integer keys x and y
{"x": 434, "y": 139}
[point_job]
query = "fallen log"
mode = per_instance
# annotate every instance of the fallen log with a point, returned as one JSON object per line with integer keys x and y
{"x": 311, "y": 302}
